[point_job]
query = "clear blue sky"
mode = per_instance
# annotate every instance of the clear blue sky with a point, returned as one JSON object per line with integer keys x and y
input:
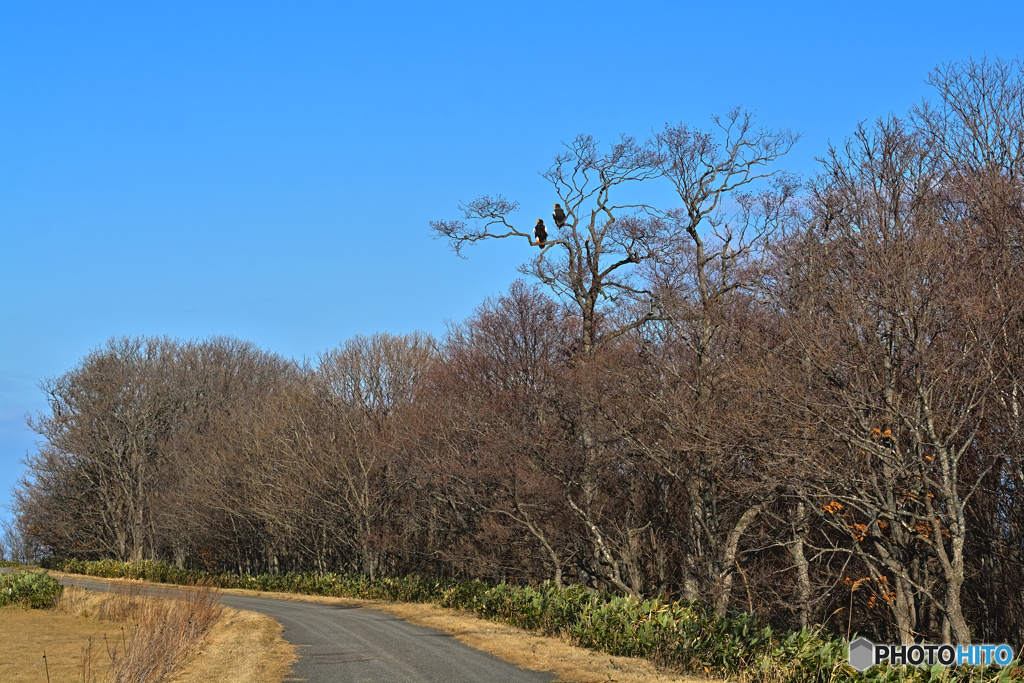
{"x": 268, "y": 170}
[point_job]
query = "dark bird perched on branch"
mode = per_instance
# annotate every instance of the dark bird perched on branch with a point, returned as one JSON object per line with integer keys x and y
{"x": 540, "y": 232}
{"x": 558, "y": 215}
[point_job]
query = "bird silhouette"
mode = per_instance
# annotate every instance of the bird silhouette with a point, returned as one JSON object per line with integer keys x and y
{"x": 541, "y": 233}
{"x": 558, "y": 215}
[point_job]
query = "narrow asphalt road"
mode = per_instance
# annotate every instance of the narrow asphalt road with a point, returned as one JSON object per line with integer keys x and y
{"x": 338, "y": 644}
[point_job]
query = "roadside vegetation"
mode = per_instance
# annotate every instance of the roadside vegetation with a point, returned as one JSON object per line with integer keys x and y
{"x": 678, "y": 636}
{"x": 36, "y": 590}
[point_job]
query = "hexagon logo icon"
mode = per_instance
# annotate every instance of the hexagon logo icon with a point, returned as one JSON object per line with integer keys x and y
{"x": 862, "y": 654}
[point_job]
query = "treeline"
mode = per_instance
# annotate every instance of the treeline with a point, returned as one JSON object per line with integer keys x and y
{"x": 799, "y": 400}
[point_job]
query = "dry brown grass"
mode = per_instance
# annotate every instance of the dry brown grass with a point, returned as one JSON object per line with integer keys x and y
{"x": 79, "y": 602}
{"x": 63, "y": 633}
{"x": 243, "y": 647}
{"x": 165, "y": 631}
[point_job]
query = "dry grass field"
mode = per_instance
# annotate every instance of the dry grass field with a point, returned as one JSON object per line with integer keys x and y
{"x": 26, "y": 634}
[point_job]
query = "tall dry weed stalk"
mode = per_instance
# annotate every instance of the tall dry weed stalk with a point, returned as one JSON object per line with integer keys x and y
{"x": 164, "y": 631}
{"x": 88, "y": 663}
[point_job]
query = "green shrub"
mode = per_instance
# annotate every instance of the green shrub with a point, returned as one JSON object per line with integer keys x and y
{"x": 36, "y": 590}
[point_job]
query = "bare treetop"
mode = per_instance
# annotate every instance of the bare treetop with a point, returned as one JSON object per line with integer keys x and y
{"x": 590, "y": 259}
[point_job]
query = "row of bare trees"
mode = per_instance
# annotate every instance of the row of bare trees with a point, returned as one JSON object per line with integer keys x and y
{"x": 800, "y": 402}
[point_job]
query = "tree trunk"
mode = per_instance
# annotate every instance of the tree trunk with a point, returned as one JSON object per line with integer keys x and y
{"x": 803, "y": 578}
{"x": 728, "y": 560}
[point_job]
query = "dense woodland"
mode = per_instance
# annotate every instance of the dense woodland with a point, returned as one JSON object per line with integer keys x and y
{"x": 798, "y": 397}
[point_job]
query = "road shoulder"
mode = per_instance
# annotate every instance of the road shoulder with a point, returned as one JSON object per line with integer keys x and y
{"x": 243, "y": 647}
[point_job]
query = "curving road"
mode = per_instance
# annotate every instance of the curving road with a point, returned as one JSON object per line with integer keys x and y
{"x": 349, "y": 644}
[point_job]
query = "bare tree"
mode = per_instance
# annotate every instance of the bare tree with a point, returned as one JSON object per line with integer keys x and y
{"x": 896, "y": 327}
{"x": 590, "y": 262}
{"x": 978, "y": 125}
{"x": 488, "y": 426}
{"x": 350, "y": 433}
{"x": 106, "y": 420}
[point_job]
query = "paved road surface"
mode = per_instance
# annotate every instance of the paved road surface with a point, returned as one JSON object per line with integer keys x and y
{"x": 346, "y": 644}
